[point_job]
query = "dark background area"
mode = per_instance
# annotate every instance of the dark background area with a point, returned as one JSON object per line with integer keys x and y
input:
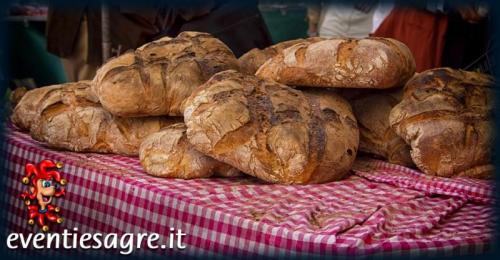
{"x": 30, "y": 63}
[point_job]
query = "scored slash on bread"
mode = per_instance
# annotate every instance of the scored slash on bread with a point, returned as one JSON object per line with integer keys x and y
{"x": 34, "y": 101}
{"x": 254, "y": 58}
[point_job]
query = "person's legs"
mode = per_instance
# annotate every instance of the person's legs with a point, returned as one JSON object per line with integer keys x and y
{"x": 76, "y": 66}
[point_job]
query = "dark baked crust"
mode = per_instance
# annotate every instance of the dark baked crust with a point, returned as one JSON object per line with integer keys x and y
{"x": 445, "y": 117}
{"x": 158, "y": 77}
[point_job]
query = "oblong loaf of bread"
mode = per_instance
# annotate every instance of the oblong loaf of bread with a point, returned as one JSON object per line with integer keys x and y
{"x": 90, "y": 128}
{"x": 271, "y": 131}
{"x": 168, "y": 154}
{"x": 67, "y": 117}
{"x": 445, "y": 117}
{"x": 158, "y": 77}
{"x": 36, "y": 100}
{"x": 342, "y": 63}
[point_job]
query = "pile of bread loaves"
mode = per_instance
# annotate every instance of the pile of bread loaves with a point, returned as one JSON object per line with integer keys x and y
{"x": 293, "y": 113}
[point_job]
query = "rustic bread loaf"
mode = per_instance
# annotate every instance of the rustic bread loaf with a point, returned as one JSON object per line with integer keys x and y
{"x": 90, "y": 128}
{"x": 445, "y": 117}
{"x": 66, "y": 117}
{"x": 342, "y": 63}
{"x": 254, "y": 58}
{"x": 168, "y": 153}
{"x": 36, "y": 100}
{"x": 375, "y": 134}
{"x": 159, "y": 76}
{"x": 271, "y": 131}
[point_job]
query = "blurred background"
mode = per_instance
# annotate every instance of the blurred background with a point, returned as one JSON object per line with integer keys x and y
{"x": 31, "y": 65}
{"x": 47, "y": 44}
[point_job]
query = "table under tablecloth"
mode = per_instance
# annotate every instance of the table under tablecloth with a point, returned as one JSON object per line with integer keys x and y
{"x": 380, "y": 208}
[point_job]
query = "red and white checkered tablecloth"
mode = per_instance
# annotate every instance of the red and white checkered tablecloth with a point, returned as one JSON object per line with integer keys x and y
{"x": 380, "y": 209}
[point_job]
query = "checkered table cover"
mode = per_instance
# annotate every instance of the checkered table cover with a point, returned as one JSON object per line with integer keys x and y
{"x": 380, "y": 209}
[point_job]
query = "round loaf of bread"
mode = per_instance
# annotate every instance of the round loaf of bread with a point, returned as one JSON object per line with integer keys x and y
{"x": 156, "y": 78}
{"x": 445, "y": 117}
{"x": 342, "y": 63}
{"x": 168, "y": 154}
{"x": 271, "y": 131}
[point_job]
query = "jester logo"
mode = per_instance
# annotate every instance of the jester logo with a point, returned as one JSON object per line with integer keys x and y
{"x": 45, "y": 184}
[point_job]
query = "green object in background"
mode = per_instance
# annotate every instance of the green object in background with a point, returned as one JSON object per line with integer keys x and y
{"x": 28, "y": 57}
{"x": 285, "y": 22}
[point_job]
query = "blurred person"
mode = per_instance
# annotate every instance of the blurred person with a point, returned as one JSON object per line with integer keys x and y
{"x": 313, "y": 16}
{"x": 467, "y": 39}
{"x": 239, "y": 24}
{"x": 439, "y": 33}
{"x": 341, "y": 19}
{"x": 421, "y": 27}
{"x": 74, "y": 33}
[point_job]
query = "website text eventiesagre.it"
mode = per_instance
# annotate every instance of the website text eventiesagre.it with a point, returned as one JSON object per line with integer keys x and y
{"x": 126, "y": 242}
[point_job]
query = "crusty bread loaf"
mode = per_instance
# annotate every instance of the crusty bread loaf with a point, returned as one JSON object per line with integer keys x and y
{"x": 271, "y": 131}
{"x": 66, "y": 116}
{"x": 342, "y": 63}
{"x": 168, "y": 153}
{"x": 36, "y": 100}
{"x": 444, "y": 116}
{"x": 375, "y": 134}
{"x": 90, "y": 128}
{"x": 159, "y": 76}
{"x": 254, "y": 58}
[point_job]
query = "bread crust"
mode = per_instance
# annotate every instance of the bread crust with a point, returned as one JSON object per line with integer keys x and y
{"x": 168, "y": 154}
{"x": 34, "y": 101}
{"x": 67, "y": 117}
{"x": 342, "y": 63}
{"x": 156, "y": 78}
{"x": 445, "y": 117}
{"x": 271, "y": 131}
{"x": 90, "y": 128}
{"x": 254, "y": 58}
{"x": 375, "y": 133}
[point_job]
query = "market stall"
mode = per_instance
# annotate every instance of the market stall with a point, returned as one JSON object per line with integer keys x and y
{"x": 205, "y": 134}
